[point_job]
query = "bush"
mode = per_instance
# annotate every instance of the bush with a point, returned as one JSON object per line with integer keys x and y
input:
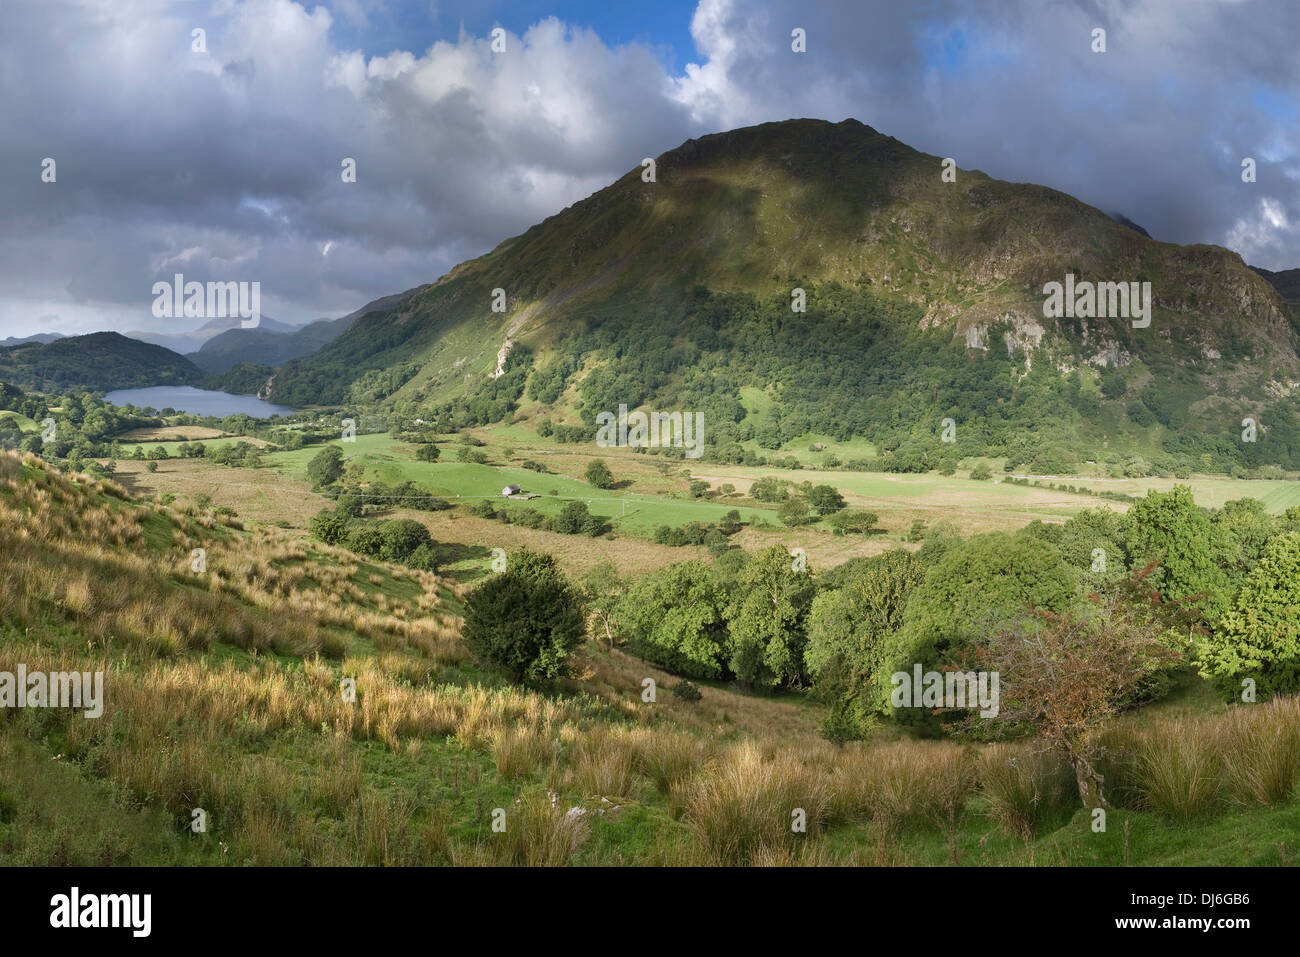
{"x": 572, "y": 519}
{"x": 424, "y": 558}
{"x": 326, "y": 467}
{"x": 330, "y": 527}
{"x": 854, "y": 522}
{"x": 366, "y": 540}
{"x": 795, "y": 512}
{"x": 687, "y": 691}
{"x": 981, "y": 472}
{"x": 402, "y": 536}
{"x": 599, "y": 475}
{"x": 427, "y": 453}
{"x": 526, "y": 620}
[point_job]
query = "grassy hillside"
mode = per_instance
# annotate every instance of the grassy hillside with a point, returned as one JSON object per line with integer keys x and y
{"x": 223, "y": 693}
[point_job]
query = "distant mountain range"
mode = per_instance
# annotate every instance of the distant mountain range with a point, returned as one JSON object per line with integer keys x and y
{"x": 110, "y": 360}
{"x": 41, "y": 337}
{"x": 193, "y": 340}
{"x": 101, "y": 361}
{"x": 275, "y": 343}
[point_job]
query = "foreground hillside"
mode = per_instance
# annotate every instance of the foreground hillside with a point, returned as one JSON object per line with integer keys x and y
{"x": 677, "y": 294}
{"x": 224, "y": 690}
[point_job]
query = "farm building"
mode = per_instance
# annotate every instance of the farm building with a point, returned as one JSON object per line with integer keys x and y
{"x": 510, "y": 490}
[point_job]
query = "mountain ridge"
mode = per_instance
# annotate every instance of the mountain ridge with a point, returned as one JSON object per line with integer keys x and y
{"x": 764, "y": 210}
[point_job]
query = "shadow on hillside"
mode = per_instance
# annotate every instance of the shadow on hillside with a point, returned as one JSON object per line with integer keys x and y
{"x": 453, "y": 553}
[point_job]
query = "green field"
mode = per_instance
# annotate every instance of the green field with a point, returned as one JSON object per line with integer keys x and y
{"x": 24, "y": 423}
{"x": 659, "y": 496}
{"x": 389, "y": 461}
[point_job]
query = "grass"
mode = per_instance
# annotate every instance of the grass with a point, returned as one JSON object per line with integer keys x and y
{"x": 224, "y": 694}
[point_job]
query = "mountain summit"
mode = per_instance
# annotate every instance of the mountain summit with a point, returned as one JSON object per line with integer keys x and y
{"x": 741, "y": 220}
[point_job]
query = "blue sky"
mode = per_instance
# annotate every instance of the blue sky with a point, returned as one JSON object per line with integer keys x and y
{"x": 663, "y": 25}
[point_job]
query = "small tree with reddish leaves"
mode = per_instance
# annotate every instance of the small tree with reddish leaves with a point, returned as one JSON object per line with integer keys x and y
{"x": 1064, "y": 675}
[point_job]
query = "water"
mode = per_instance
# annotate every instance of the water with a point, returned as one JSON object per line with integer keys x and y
{"x": 186, "y": 398}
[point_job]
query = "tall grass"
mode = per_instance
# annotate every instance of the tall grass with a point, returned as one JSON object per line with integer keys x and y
{"x": 1026, "y": 788}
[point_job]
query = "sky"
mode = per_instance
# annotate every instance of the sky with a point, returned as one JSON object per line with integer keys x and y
{"x": 224, "y": 163}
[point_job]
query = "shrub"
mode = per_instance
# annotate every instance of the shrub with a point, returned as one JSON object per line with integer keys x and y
{"x": 526, "y": 620}
{"x": 329, "y": 527}
{"x": 402, "y": 536}
{"x": 427, "y": 452}
{"x": 687, "y": 691}
{"x": 326, "y": 467}
{"x": 1025, "y": 789}
{"x": 599, "y": 475}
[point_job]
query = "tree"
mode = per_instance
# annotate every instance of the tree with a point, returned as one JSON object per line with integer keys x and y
{"x": 769, "y": 488}
{"x": 1170, "y": 529}
{"x": 1259, "y": 636}
{"x": 402, "y": 536}
{"x": 599, "y": 475}
{"x": 572, "y": 518}
{"x": 794, "y": 512}
{"x": 974, "y": 587}
{"x": 330, "y": 527}
{"x": 825, "y": 499}
{"x": 427, "y": 452}
{"x": 981, "y": 472}
{"x": 526, "y": 620}
{"x": 603, "y": 589}
{"x": 1065, "y": 674}
{"x": 326, "y": 467}
{"x": 854, "y": 521}
{"x": 676, "y": 618}
{"x": 847, "y": 624}
{"x": 766, "y": 619}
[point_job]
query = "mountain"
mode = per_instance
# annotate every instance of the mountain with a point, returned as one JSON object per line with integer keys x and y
{"x": 101, "y": 361}
{"x": 191, "y": 340}
{"x": 925, "y": 300}
{"x": 1125, "y": 221}
{"x": 41, "y": 337}
{"x": 1286, "y": 282}
{"x": 278, "y": 344}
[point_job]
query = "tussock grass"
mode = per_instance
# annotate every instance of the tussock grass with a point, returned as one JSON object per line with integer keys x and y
{"x": 745, "y": 804}
{"x": 1026, "y": 788}
{"x": 1180, "y": 770}
{"x": 540, "y": 831}
{"x": 1261, "y": 749}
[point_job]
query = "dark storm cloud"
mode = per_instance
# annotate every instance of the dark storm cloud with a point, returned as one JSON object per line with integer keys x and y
{"x": 225, "y": 164}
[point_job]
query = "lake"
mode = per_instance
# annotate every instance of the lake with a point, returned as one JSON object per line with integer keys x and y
{"x": 186, "y": 398}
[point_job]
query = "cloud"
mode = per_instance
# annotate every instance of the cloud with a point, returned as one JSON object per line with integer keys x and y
{"x": 227, "y": 163}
